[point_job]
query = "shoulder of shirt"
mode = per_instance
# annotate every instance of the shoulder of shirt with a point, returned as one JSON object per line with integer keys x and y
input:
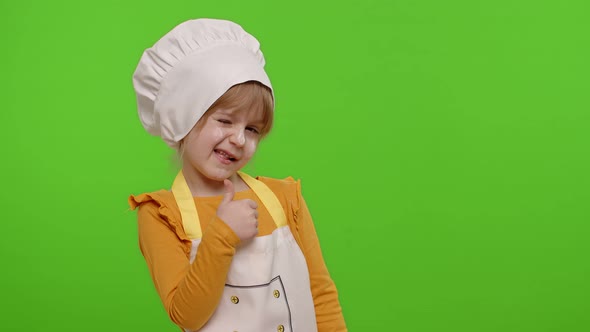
{"x": 160, "y": 198}
{"x": 285, "y": 184}
{"x": 288, "y": 187}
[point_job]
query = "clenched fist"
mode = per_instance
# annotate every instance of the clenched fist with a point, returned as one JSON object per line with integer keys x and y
{"x": 241, "y": 215}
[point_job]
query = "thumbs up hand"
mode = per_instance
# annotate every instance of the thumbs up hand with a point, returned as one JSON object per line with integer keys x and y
{"x": 241, "y": 215}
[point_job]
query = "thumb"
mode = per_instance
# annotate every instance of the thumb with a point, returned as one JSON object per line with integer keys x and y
{"x": 228, "y": 196}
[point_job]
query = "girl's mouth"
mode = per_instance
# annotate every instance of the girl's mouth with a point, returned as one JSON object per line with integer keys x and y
{"x": 225, "y": 156}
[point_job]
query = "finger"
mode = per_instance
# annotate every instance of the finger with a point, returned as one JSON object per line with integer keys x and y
{"x": 228, "y": 196}
{"x": 252, "y": 204}
{"x": 256, "y": 214}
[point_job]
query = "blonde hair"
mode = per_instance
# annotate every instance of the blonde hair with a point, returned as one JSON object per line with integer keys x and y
{"x": 250, "y": 95}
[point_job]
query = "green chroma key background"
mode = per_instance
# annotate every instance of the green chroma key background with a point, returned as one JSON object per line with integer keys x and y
{"x": 442, "y": 147}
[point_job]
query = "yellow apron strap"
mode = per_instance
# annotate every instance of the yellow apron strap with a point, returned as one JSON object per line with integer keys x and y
{"x": 268, "y": 198}
{"x": 186, "y": 205}
{"x": 188, "y": 210}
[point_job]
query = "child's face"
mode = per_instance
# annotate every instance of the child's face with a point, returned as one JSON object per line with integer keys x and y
{"x": 222, "y": 142}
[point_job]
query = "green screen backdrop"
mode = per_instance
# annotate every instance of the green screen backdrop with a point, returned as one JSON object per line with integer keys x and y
{"x": 442, "y": 148}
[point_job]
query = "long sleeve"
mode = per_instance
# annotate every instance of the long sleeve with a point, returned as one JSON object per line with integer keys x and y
{"x": 190, "y": 292}
{"x": 325, "y": 296}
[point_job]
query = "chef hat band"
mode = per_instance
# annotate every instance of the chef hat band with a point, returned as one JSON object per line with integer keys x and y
{"x": 185, "y": 72}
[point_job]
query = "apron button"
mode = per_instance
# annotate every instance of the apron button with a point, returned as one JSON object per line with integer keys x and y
{"x": 235, "y": 300}
{"x": 276, "y": 293}
{"x": 280, "y": 328}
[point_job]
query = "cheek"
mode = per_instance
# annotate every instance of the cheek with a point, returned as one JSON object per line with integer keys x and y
{"x": 210, "y": 138}
{"x": 251, "y": 146}
{"x": 218, "y": 134}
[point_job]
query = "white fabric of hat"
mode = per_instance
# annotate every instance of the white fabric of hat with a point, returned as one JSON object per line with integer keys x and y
{"x": 187, "y": 70}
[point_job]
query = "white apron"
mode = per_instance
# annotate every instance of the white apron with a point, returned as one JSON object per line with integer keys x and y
{"x": 267, "y": 286}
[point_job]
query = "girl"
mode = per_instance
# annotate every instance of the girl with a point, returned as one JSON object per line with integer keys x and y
{"x": 226, "y": 252}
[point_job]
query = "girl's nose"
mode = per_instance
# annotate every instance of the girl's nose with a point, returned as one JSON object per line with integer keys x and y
{"x": 238, "y": 137}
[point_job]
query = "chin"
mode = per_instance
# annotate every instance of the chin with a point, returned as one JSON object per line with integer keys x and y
{"x": 220, "y": 176}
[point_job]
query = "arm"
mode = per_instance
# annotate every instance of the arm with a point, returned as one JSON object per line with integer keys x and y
{"x": 325, "y": 296}
{"x": 190, "y": 292}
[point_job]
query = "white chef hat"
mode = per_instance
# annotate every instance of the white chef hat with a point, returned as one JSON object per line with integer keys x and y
{"x": 188, "y": 69}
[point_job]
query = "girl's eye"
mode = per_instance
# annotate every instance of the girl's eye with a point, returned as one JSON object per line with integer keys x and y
{"x": 253, "y": 130}
{"x": 225, "y": 121}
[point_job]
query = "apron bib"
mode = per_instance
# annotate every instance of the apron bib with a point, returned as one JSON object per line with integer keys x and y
{"x": 267, "y": 286}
